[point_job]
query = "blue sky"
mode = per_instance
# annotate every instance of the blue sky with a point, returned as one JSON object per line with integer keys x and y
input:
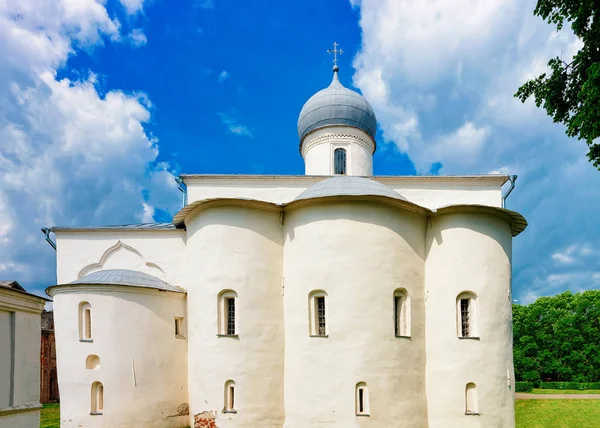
{"x": 103, "y": 103}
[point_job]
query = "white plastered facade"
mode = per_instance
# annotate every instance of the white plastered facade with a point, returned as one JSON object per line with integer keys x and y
{"x": 272, "y": 257}
{"x": 20, "y": 339}
{"x": 254, "y": 250}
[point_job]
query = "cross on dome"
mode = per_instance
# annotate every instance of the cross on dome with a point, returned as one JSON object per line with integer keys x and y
{"x": 335, "y": 51}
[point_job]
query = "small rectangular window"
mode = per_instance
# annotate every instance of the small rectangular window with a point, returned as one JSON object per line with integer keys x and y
{"x": 464, "y": 317}
{"x": 230, "y": 315}
{"x": 179, "y": 327}
{"x": 361, "y": 400}
{"x": 88, "y": 323}
{"x": 320, "y": 311}
{"x": 397, "y": 306}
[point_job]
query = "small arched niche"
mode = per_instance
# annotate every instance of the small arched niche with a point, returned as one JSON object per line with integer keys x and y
{"x": 362, "y": 399}
{"x": 229, "y": 397}
{"x": 92, "y": 362}
{"x": 97, "y": 399}
{"x": 471, "y": 399}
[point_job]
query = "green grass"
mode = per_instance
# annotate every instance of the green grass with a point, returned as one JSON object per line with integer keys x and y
{"x": 50, "y": 416}
{"x": 564, "y": 391}
{"x": 558, "y": 413}
{"x": 530, "y": 413}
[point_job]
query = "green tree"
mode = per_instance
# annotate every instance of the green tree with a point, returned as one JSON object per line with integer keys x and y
{"x": 556, "y": 338}
{"x": 570, "y": 93}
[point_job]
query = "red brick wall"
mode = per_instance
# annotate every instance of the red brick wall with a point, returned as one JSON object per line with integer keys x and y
{"x": 48, "y": 378}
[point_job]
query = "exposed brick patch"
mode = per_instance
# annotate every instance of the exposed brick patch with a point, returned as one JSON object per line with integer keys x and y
{"x": 205, "y": 420}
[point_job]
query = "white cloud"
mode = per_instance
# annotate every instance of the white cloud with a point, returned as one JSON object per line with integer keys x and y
{"x": 528, "y": 297}
{"x": 137, "y": 37}
{"x": 441, "y": 76}
{"x": 234, "y": 127}
{"x": 69, "y": 154}
{"x": 223, "y": 76}
{"x": 133, "y": 6}
{"x": 573, "y": 253}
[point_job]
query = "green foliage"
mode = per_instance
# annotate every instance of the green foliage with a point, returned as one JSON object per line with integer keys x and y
{"x": 565, "y": 391}
{"x": 570, "y": 93}
{"x": 556, "y": 339}
{"x": 579, "y": 386}
{"x": 523, "y": 386}
{"x": 557, "y": 413}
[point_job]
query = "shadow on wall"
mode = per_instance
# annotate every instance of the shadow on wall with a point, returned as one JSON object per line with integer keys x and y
{"x": 241, "y": 217}
{"x": 493, "y": 227}
{"x": 399, "y": 221}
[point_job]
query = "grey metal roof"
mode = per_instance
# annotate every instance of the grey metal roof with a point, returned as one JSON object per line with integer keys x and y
{"x": 336, "y": 105}
{"x": 348, "y": 185}
{"x": 140, "y": 226}
{"x": 126, "y": 277}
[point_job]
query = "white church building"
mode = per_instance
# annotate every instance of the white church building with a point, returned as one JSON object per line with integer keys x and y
{"x": 332, "y": 299}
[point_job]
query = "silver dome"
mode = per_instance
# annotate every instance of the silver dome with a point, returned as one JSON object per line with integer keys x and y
{"x": 336, "y": 105}
{"x": 344, "y": 185}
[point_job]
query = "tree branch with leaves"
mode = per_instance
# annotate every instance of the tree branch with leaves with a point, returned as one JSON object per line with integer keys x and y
{"x": 570, "y": 93}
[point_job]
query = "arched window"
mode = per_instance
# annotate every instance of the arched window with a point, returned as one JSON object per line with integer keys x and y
{"x": 85, "y": 321}
{"x": 362, "y": 399}
{"x": 229, "y": 406}
{"x": 401, "y": 313}
{"x": 339, "y": 161}
{"x": 471, "y": 399}
{"x": 227, "y": 313}
{"x": 97, "y": 398}
{"x": 466, "y": 315}
{"x": 92, "y": 362}
{"x": 317, "y": 308}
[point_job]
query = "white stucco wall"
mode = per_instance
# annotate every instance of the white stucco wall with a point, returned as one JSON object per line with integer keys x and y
{"x": 239, "y": 249}
{"x": 469, "y": 252}
{"x": 318, "y": 148}
{"x": 430, "y": 192}
{"x": 20, "y": 340}
{"x": 157, "y": 253}
{"x": 359, "y": 254}
{"x": 143, "y": 366}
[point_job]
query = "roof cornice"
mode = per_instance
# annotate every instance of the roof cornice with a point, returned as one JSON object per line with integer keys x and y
{"x": 409, "y": 178}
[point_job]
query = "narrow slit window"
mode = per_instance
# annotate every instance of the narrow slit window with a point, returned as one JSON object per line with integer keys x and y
{"x": 85, "y": 321}
{"x": 466, "y": 315}
{"x": 179, "y": 327}
{"x": 97, "y": 405}
{"x": 230, "y": 315}
{"x": 227, "y": 313}
{"x": 401, "y": 313}
{"x": 339, "y": 161}
{"x": 318, "y": 313}
{"x": 229, "y": 406}
{"x": 362, "y": 399}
